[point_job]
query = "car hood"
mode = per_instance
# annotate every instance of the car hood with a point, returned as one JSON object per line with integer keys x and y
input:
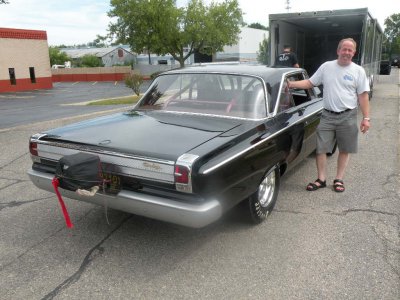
{"x": 152, "y": 134}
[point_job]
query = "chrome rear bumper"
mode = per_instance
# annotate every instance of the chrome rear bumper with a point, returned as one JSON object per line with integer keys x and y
{"x": 186, "y": 214}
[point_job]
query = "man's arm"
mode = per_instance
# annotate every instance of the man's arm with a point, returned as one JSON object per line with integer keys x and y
{"x": 295, "y": 60}
{"x": 301, "y": 84}
{"x": 363, "y": 99}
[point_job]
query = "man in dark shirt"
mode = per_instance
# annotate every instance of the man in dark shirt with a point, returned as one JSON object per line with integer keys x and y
{"x": 287, "y": 58}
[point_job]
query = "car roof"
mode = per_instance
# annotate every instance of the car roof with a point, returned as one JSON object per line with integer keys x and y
{"x": 267, "y": 73}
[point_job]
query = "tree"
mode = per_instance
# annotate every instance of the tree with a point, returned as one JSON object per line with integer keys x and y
{"x": 257, "y": 26}
{"x": 134, "y": 81}
{"x": 139, "y": 23}
{"x": 90, "y": 61}
{"x": 160, "y": 27}
{"x": 392, "y": 34}
{"x": 57, "y": 57}
{"x": 263, "y": 54}
{"x": 98, "y": 42}
{"x": 4, "y": 2}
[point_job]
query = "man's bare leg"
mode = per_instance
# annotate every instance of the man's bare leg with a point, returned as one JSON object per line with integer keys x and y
{"x": 321, "y": 166}
{"x": 342, "y": 162}
{"x": 320, "y": 182}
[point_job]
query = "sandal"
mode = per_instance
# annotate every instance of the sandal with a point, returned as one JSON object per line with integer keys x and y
{"x": 312, "y": 186}
{"x": 338, "y": 186}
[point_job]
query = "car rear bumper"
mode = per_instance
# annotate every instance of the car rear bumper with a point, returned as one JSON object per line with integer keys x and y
{"x": 186, "y": 214}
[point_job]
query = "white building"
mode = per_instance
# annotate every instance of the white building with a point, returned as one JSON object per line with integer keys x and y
{"x": 109, "y": 56}
{"x": 246, "y": 49}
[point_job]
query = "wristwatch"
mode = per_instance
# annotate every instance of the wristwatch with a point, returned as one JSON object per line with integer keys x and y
{"x": 368, "y": 119}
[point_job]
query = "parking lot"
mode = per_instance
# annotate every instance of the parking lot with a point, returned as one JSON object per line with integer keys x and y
{"x": 320, "y": 245}
{"x": 60, "y": 102}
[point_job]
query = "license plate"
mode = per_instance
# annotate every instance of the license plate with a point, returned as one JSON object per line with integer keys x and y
{"x": 112, "y": 184}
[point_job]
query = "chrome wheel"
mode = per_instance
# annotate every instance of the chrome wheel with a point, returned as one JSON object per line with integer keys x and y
{"x": 266, "y": 190}
{"x": 264, "y": 199}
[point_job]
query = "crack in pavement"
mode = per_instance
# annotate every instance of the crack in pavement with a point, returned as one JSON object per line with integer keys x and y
{"x": 291, "y": 212}
{"x": 355, "y": 210}
{"x": 96, "y": 251}
{"x": 342, "y": 213}
{"x": 14, "y": 181}
{"x": 390, "y": 250}
{"x": 19, "y": 203}
{"x": 386, "y": 255}
{"x": 15, "y": 159}
{"x": 41, "y": 241}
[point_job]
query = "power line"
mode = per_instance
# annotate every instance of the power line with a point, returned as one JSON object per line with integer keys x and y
{"x": 287, "y": 7}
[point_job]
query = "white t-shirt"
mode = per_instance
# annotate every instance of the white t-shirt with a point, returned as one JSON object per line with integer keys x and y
{"x": 342, "y": 84}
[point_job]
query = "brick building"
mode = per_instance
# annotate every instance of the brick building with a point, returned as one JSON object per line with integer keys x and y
{"x": 24, "y": 60}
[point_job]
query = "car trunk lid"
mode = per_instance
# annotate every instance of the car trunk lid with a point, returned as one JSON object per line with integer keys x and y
{"x": 154, "y": 134}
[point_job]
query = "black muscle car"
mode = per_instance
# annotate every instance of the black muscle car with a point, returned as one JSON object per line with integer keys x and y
{"x": 201, "y": 140}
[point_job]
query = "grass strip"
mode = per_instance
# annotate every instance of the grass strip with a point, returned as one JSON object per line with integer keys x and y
{"x": 115, "y": 101}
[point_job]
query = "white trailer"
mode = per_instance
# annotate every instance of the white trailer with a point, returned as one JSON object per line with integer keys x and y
{"x": 314, "y": 37}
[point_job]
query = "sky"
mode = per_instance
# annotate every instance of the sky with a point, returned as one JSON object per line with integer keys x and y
{"x": 74, "y": 22}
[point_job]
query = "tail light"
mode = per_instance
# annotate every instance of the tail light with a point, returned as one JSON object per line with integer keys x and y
{"x": 181, "y": 174}
{"x": 33, "y": 148}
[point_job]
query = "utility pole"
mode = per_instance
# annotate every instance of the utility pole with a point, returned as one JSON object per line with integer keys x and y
{"x": 287, "y": 7}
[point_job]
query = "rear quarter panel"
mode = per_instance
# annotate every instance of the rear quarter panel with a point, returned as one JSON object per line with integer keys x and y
{"x": 233, "y": 171}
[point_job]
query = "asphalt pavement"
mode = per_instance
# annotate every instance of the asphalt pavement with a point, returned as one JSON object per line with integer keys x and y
{"x": 62, "y": 101}
{"x": 315, "y": 245}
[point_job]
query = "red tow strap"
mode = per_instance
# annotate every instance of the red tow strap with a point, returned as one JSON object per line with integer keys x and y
{"x": 55, "y": 184}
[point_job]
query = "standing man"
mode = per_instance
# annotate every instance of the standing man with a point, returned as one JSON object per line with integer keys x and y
{"x": 345, "y": 86}
{"x": 287, "y": 58}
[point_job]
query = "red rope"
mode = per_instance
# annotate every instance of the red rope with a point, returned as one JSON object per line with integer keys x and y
{"x": 55, "y": 184}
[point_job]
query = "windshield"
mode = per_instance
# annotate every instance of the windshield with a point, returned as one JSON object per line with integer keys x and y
{"x": 215, "y": 94}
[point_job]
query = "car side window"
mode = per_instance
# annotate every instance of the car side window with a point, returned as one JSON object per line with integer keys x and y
{"x": 300, "y": 96}
{"x": 285, "y": 98}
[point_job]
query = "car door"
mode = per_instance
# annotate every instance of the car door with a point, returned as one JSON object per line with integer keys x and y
{"x": 309, "y": 108}
{"x": 297, "y": 112}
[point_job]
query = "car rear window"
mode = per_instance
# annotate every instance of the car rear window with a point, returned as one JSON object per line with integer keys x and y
{"x": 207, "y": 93}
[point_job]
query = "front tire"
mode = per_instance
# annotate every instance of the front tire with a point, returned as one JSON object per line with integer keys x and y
{"x": 263, "y": 200}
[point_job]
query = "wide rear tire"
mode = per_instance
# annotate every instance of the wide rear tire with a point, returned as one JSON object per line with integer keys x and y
{"x": 263, "y": 200}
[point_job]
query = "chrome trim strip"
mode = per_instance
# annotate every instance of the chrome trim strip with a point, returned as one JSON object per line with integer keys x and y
{"x": 181, "y": 213}
{"x": 106, "y": 152}
{"x": 162, "y": 171}
{"x": 37, "y": 136}
{"x": 201, "y": 72}
{"x": 284, "y": 76}
{"x": 209, "y": 170}
{"x": 203, "y": 114}
{"x": 186, "y": 160}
